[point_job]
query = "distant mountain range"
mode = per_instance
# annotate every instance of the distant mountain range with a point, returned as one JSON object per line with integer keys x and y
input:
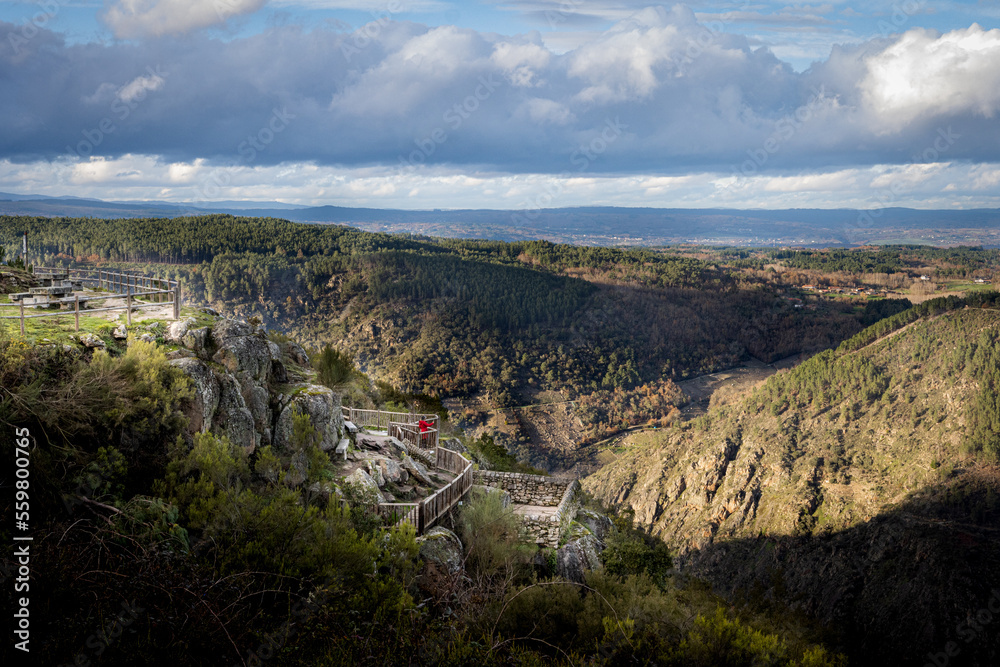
{"x": 583, "y": 225}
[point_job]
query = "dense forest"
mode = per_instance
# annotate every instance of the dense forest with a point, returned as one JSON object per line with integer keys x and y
{"x": 455, "y": 317}
{"x": 961, "y": 261}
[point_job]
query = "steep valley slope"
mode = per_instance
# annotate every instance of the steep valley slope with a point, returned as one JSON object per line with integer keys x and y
{"x": 860, "y": 487}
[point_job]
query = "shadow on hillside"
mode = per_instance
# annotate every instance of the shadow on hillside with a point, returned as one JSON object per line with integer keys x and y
{"x": 906, "y": 588}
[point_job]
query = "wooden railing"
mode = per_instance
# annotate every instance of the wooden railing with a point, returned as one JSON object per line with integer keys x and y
{"x": 422, "y": 515}
{"x": 435, "y": 506}
{"x": 380, "y": 419}
{"x": 121, "y": 285}
{"x": 414, "y": 437}
{"x": 397, "y": 513}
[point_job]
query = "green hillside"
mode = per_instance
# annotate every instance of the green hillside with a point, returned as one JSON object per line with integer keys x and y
{"x": 463, "y": 317}
{"x": 863, "y": 486}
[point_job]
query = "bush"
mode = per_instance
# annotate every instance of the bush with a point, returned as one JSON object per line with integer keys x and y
{"x": 493, "y": 538}
{"x": 334, "y": 367}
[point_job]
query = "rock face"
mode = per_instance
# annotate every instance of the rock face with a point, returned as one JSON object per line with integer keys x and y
{"x": 838, "y": 501}
{"x": 417, "y": 469}
{"x": 239, "y": 379}
{"x": 201, "y": 410}
{"x": 597, "y": 524}
{"x": 363, "y": 482}
{"x": 323, "y": 408}
{"x": 578, "y": 556}
{"x": 443, "y": 569}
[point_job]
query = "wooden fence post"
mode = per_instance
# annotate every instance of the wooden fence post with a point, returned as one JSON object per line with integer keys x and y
{"x": 128, "y": 308}
{"x": 177, "y": 300}
{"x": 22, "y": 317}
{"x": 77, "y": 312}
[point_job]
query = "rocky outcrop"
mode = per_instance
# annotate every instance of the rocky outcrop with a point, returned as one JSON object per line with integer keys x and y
{"x": 320, "y": 404}
{"x": 598, "y": 524}
{"x": 200, "y": 411}
{"x": 238, "y": 377}
{"x": 365, "y": 486}
{"x": 577, "y": 557}
{"x": 390, "y": 470}
{"x": 417, "y": 470}
{"x": 443, "y": 557}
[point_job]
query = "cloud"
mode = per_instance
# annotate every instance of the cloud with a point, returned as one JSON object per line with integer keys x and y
{"x": 924, "y": 73}
{"x": 685, "y": 96}
{"x": 136, "y": 89}
{"x": 129, "y": 19}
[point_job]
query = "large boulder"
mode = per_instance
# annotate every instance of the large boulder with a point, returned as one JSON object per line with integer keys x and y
{"x": 196, "y": 340}
{"x": 200, "y": 410}
{"x": 257, "y": 400}
{"x": 365, "y": 485}
{"x": 598, "y": 524}
{"x": 240, "y": 347}
{"x": 418, "y": 470}
{"x": 578, "y": 556}
{"x": 176, "y": 330}
{"x": 297, "y": 354}
{"x": 323, "y": 408}
{"x": 444, "y": 563}
{"x": 391, "y": 470}
{"x": 233, "y": 418}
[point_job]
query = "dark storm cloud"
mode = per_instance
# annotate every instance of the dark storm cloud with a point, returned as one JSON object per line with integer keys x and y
{"x": 683, "y": 95}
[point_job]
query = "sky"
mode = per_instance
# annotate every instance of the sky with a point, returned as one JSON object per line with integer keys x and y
{"x": 512, "y": 104}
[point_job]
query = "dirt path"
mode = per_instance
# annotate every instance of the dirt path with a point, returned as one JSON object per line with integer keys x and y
{"x": 163, "y": 311}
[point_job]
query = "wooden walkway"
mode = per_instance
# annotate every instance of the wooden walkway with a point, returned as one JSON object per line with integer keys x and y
{"x": 420, "y": 433}
{"x": 423, "y": 514}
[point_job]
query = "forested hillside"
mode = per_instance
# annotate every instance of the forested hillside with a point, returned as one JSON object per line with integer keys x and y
{"x": 863, "y": 486}
{"x": 456, "y": 317}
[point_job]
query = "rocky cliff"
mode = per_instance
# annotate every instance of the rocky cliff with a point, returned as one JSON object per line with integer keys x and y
{"x": 849, "y": 488}
{"x": 249, "y": 388}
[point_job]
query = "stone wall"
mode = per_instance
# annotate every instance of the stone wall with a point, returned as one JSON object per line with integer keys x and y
{"x": 544, "y": 528}
{"x": 525, "y": 489}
